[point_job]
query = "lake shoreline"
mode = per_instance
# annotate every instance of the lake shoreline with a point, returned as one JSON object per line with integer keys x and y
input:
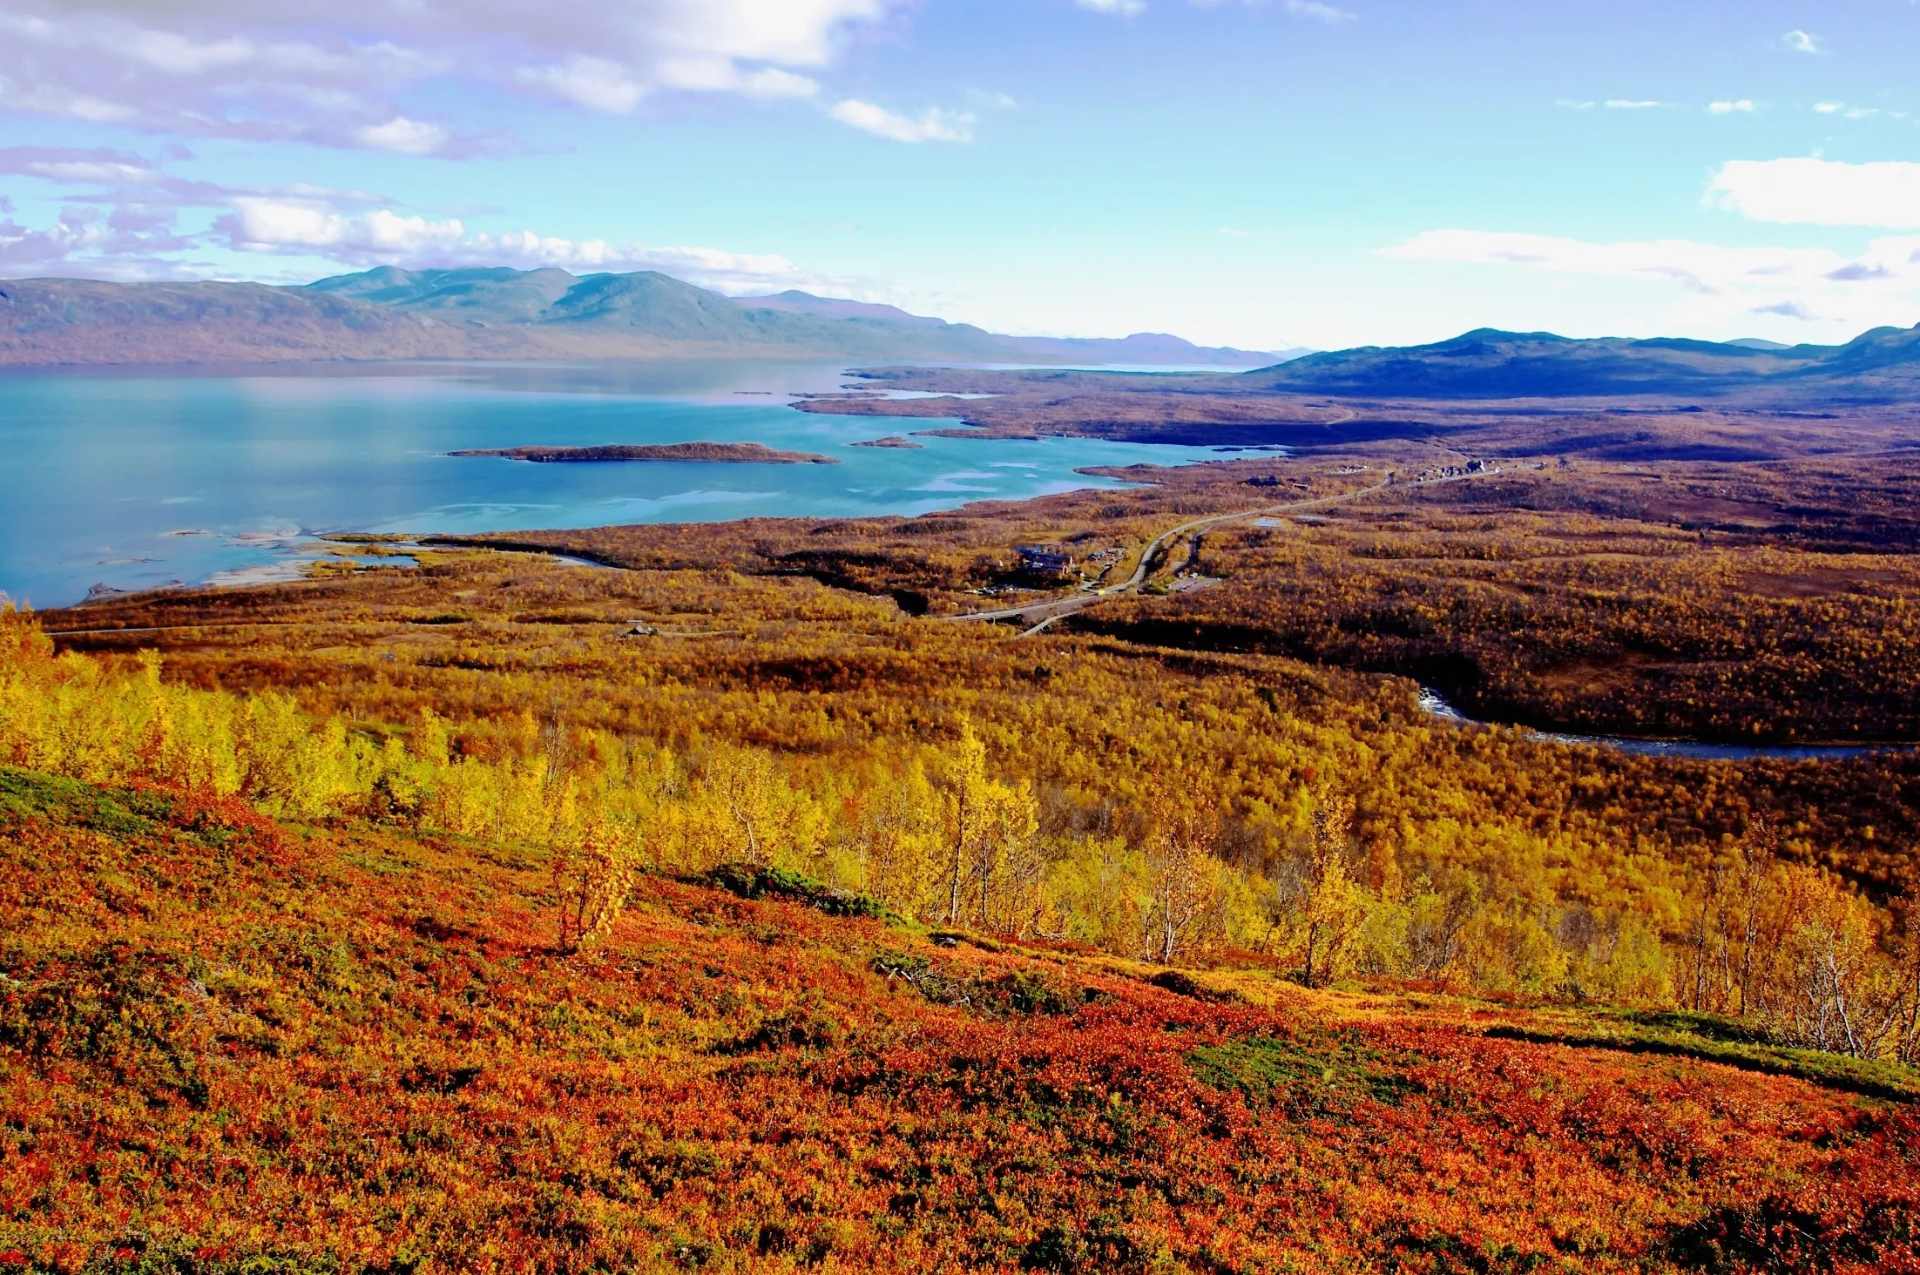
{"x": 110, "y": 468}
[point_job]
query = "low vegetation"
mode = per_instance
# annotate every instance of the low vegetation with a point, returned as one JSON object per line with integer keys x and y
{"x": 726, "y": 907}
{"x": 1674, "y": 605}
{"x": 232, "y": 1044}
{"x": 1063, "y": 801}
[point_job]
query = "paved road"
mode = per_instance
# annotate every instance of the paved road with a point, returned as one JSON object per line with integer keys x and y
{"x": 1044, "y": 613}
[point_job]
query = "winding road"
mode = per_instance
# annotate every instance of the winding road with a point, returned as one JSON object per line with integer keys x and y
{"x": 1039, "y": 615}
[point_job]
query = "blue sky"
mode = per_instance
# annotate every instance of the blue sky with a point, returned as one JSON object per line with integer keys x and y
{"x": 1259, "y": 174}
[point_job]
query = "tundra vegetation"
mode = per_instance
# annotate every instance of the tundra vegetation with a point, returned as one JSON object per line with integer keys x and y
{"x": 733, "y": 909}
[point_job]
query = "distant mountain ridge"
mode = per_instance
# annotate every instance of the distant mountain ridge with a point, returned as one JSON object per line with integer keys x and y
{"x": 495, "y": 313}
{"x": 1489, "y": 364}
{"x": 793, "y": 301}
{"x": 498, "y": 313}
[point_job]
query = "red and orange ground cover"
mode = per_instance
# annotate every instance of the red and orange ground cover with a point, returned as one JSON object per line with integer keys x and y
{"x": 229, "y": 1045}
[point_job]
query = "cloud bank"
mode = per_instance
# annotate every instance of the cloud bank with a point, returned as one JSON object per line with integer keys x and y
{"x": 336, "y": 73}
{"x": 1819, "y": 192}
{"x": 1303, "y": 8}
{"x": 313, "y": 228}
{"x": 1878, "y": 286}
{"x": 124, "y": 223}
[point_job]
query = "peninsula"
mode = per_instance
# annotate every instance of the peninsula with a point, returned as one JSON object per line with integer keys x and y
{"x": 723, "y": 453}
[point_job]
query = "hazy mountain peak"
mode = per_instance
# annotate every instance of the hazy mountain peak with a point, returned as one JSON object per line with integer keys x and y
{"x": 1489, "y": 364}
{"x": 794, "y": 301}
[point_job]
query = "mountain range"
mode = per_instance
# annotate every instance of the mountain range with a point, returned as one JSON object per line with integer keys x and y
{"x": 1878, "y": 366}
{"x": 389, "y": 313}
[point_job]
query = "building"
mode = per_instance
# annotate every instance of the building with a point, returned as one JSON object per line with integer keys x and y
{"x": 1045, "y": 559}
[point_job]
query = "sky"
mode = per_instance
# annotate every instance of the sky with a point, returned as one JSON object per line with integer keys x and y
{"x": 1257, "y": 173}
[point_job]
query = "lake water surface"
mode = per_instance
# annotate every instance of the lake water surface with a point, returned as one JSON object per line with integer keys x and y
{"x": 135, "y": 479}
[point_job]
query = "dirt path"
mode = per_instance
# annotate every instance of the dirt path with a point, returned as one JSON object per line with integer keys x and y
{"x": 1040, "y": 615}
{"x": 204, "y": 624}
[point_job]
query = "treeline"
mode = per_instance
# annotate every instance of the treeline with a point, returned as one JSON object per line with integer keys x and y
{"x": 1570, "y": 622}
{"x": 1741, "y": 603}
{"x": 944, "y": 832}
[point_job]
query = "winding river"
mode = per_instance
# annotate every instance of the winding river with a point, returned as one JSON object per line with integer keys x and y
{"x": 1435, "y": 705}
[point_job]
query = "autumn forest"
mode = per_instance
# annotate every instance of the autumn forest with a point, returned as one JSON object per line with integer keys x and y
{"x": 724, "y": 898}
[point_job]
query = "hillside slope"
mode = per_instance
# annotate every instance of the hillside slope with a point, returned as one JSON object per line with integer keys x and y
{"x": 388, "y": 313}
{"x": 230, "y": 1045}
{"x": 78, "y": 321}
{"x": 1489, "y": 364}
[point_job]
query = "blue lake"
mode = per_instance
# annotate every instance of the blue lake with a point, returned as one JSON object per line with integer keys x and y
{"x": 135, "y": 479}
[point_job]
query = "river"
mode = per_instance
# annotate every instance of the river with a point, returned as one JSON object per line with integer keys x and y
{"x": 1434, "y": 704}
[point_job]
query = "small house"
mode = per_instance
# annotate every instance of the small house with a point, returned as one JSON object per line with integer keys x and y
{"x": 1045, "y": 559}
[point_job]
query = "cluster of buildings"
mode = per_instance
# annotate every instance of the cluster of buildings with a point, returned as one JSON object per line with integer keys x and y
{"x": 1046, "y": 560}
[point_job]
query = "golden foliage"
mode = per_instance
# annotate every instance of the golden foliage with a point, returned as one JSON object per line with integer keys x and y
{"x": 958, "y": 776}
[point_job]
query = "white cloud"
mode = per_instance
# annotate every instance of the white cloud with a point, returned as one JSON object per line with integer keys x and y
{"x": 121, "y": 225}
{"x": 771, "y": 81}
{"x": 317, "y": 228}
{"x": 1303, "y": 8}
{"x": 337, "y": 71}
{"x": 600, "y": 84}
{"x": 595, "y": 83}
{"x": 72, "y": 166}
{"x": 52, "y": 99}
{"x": 123, "y": 180}
{"x": 933, "y": 126}
{"x": 1820, "y": 192}
{"x": 722, "y": 75}
{"x": 85, "y": 243}
{"x": 1624, "y": 104}
{"x": 1714, "y": 282}
{"x": 1742, "y": 107}
{"x": 312, "y": 226}
{"x": 404, "y": 136}
{"x": 1855, "y": 112}
{"x": 1699, "y": 267}
{"x": 735, "y": 273}
{"x": 129, "y": 246}
{"x": 1802, "y": 42}
{"x": 1316, "y": 9}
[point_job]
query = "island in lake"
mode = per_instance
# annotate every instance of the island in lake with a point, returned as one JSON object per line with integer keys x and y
{"x": 891, "y": 440}
{"x": 726, "y": 453}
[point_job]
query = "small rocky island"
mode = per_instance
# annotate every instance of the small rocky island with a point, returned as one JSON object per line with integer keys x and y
{"x": 726, "y": 453}
{"x": 891, "y": 440}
